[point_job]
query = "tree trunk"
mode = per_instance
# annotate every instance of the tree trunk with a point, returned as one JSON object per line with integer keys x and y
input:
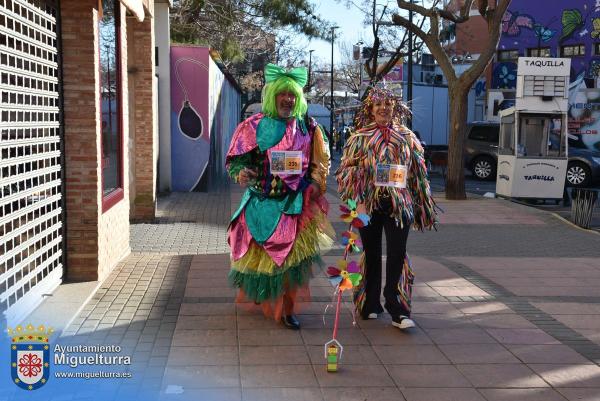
{"x": 455, "y": 180}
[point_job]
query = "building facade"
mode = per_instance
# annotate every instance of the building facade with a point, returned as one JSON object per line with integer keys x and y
{"x": 78, "y": 141}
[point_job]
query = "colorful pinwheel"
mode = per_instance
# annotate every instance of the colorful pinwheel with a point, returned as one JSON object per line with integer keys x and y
{"x": 350, "y": 215}
{"x": 346, "y": 275}
{"x": 351, "y": 241}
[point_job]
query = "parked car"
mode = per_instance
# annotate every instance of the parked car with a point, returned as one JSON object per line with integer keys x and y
{"x": 481, "y": 149}
{"x": 583, "y": 169}
{"x": 481, "y": 155}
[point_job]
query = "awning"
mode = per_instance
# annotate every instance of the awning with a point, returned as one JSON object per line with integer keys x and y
{"x": 136, "y": 7}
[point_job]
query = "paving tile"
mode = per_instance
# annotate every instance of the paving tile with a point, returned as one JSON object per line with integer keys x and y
{"x": 174, "y": 393}
{"x": 277, "y": 376}
{"x": 440, "y": 321}
{"x": 501, "y": 376}
{"x": 278, "y": 394}
{"x": 201, "y": 309}
{"x": 581, "y": 394}
{"x": 521, "y": 394}
{"x": 569, "y": 375}
{"x": 390, "y": 335}
{"x": 501, "y": 321}
{"x": 257, "y": 322}
{"x": 410, "y": 354}
{"x": 473, "y": 335}
{"x": 191, "y": 356}
{"x": 363, "y": 394}
{"x": 279, "y": 336}
{"x": 200, "y": 338}
{"x": 352, "y": 336}
{"x": 482, "y": 307}
{"x": 206, "y": 322}
{"x": 202, "y": 376}
{"x": 427, "y": 376}
{"x": 274, "y": 355}
{"x": 441, "y": 394}
{"x": 522, "y": 336}
{"x": 477, "y": 353}
{"x": 354, "y": 375}
{"x": 557, "y": 353}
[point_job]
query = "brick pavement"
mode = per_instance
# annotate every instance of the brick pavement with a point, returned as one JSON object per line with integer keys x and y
{"x": 506, "y": 304}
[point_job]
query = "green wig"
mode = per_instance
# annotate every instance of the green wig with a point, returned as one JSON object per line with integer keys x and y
{"x": 283, "y": 84}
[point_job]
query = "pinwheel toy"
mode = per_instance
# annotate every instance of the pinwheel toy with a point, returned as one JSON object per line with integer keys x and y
{"x": 350, "y": 215}
{"x": 345, "y": 276}
{"x": 351, "y": 241}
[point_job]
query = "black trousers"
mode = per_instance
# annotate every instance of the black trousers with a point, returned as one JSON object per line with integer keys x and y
{"x": 396, "y": 237}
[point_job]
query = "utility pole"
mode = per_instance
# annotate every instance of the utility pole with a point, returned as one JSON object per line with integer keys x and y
{"x": 409, "y": 78}
{"x": 333, "y": 28}
{"x": 310, "y": 52}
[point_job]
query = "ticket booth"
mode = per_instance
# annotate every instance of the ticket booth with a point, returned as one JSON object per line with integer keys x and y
{"x": 532, "y": 149}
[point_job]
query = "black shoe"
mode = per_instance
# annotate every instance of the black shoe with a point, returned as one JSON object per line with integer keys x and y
{"x": 291, "y": 322}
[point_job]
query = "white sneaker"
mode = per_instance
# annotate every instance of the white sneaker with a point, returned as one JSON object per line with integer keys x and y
{"x": 402, "y": 322}
{"x": 372, "y": 316}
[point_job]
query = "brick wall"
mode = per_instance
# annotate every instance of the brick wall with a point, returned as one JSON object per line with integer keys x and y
{"x": 95, "y": 241}
{"x": 82, "y": 142}
{"x": 143, "y": 125}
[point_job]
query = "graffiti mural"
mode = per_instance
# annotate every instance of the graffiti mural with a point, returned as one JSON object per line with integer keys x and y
{"x": 504, "y": 76}
{"x": 190, "y": 134}
{"x": 538, "y": 26}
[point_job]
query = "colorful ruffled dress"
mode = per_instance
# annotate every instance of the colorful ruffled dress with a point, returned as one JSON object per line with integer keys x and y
{"x": 414, "y": 204}
{"x": 277, "y": 233}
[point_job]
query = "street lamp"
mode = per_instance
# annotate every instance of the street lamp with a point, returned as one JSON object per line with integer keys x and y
{"x": 333, "y": 28}
{"x": 310, "y": 52}
{"x": 360, "y": 66}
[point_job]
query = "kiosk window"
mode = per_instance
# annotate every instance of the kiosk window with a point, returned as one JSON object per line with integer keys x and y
{"x": 507, "y": 135}
{"x": 540, "y": 136}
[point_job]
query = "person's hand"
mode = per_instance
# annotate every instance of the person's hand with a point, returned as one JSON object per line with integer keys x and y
{"x": 361, "y": 209}
{"x": 246, "y": 176}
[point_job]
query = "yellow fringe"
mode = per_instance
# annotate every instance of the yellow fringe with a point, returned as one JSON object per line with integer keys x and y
{"x": 316, "y": 237}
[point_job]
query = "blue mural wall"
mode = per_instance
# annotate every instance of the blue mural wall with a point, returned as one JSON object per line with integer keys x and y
{"x": 531, "y": 24}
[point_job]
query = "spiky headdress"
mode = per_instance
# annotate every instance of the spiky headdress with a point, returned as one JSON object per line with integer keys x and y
{"x": 364, "y": 115}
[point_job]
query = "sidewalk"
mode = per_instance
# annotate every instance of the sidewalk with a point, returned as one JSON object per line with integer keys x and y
{"x": 506, "y": 301}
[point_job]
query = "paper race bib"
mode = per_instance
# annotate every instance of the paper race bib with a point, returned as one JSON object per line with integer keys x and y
{"x": 390, "y": 175}
{"x": 286, "y": 162}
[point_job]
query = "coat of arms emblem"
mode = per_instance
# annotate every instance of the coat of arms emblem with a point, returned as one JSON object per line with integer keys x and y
{"x": 30, "y": 356}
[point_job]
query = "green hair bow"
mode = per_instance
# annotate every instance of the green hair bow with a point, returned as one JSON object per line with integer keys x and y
{"x": 274, "y": 72}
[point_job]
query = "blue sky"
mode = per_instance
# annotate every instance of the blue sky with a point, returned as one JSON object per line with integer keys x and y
{"x": 350, "y": 21}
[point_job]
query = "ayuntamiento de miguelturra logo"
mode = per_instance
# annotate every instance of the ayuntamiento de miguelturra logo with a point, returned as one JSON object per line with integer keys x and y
{"x": 30, "y": 356}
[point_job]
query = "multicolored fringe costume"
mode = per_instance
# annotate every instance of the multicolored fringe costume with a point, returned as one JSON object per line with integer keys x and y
{"x": 277, "y": 232}
{"x": 414, "y": 204}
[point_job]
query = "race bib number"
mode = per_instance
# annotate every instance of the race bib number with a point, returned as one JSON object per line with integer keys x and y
{"x": 390, "y": 175}
{"x": 286, "y": 162}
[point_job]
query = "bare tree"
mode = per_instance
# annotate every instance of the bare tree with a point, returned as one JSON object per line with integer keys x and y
{"x": 376, "y": 71}
{"x": 348, "y": 70}
{"x": 492, "y": 12}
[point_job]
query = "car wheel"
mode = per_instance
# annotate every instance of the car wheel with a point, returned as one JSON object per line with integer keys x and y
{"x": 484, "y": 168}
{"x": 578, "y": 175}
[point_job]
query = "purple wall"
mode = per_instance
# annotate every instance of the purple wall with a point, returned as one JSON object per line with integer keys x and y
{"x": 549, "y": 23}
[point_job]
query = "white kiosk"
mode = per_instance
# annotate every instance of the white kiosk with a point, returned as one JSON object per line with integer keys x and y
{"x": 532, "y": 151}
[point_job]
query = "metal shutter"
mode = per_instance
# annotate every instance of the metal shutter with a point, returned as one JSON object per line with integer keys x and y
{"x": 30, "y": 156}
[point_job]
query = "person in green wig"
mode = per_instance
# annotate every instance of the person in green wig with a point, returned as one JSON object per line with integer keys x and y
{"x": 281, "y": 157}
